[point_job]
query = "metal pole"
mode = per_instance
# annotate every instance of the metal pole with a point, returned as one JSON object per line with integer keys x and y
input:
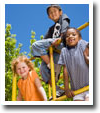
{"x": 83, "y": 26}
{"x": 86, "y": 88}
{"x": 14, "y": 89}
{"x": 49, "y": 88}
{"x": 52, "y": 73}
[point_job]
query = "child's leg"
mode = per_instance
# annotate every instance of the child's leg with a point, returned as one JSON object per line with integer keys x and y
{"x": 46, "y": 59}
{"x": 40, "y": 49}
{"x": 45, "y": 72}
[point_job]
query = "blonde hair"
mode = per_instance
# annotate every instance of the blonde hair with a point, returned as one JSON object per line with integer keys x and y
{"x": 21, "y": 59}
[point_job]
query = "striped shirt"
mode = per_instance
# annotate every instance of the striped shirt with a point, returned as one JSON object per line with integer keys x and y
{"x": 77, "y": 68}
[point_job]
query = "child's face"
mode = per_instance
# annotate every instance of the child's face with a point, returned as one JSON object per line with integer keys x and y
{"x": 54, "y": 14}
{"x": 22, "y": 69}
{"x": 72, "y": 37}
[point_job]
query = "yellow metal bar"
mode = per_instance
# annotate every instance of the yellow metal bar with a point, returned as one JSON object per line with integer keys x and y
{"x": 52, "y": 73}
{"x": 49, "y": 90}
{"x": 86, "y": 88}
{"x": 14, "y": 89}
{"x": 83, "y": 26}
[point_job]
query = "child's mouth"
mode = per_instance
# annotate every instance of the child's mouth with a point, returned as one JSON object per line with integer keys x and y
{"x": 71, "y": 40}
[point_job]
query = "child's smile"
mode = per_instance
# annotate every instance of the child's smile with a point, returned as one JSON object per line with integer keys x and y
{"x": 72, "y": 37}
{"x": 22, "y": 69}
{"x": 54, "y": 14}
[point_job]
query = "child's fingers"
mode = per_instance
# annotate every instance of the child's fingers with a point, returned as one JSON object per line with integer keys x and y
{"x": 72, "y": 93}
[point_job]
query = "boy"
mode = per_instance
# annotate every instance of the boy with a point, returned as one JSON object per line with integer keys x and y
{"x": 54, "y": 33}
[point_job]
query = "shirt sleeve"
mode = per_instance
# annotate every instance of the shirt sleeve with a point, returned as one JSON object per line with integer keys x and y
{"x": 61, "y": 58}
{"x": 34, "y": 75}
{"x": 83, "y": 44}
{"x": 65, "y": 22}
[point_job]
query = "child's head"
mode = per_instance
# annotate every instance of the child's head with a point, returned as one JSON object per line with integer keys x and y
{"x": 71, "y": 37}
{"x": 54, "y": 12}
{"x": 21, "y": 66}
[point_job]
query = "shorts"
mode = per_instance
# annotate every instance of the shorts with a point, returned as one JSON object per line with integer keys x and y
{"x": 81, "y": 96}
{"x": 39, "y": 48}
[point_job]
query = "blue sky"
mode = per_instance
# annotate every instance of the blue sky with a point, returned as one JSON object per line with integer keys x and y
{"x": 26, "y": 17}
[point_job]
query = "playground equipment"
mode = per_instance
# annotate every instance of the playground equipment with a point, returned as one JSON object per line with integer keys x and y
{"x": 52, "y": 77}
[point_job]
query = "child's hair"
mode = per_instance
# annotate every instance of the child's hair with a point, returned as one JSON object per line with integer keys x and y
{"x": 21, "y": 59}
{"x": 65, "y": 35}
{"x": 53, "y": 5}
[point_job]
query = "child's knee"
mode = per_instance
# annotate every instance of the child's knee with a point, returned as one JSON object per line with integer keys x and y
{"x": 34, "y": 45}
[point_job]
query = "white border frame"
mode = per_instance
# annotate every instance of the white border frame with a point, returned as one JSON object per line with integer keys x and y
{"x": 2, "y": 49}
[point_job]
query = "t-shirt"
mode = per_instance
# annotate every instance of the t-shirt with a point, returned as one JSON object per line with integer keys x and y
{"x": 28, "y": 89}
{"x": 58, "y": 28}
{"x": 77, "y": 68}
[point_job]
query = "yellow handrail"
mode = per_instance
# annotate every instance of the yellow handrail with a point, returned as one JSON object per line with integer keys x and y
{"x": 14, "y": 89}
{"x": 52, "y": 73}
{"x": 86, "y": 88}
{"x": 83, "y": 26}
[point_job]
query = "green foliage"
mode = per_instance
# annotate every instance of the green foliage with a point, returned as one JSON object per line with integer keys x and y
{"x": 10, "y": 52}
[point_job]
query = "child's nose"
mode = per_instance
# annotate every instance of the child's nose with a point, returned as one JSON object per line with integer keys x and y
{"x": 70, "y": 35}
{"x": 22, "y": 70}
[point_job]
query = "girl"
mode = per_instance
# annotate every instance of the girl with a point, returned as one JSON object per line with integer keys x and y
{"x": 73, "y": 61}
{"x": 30, "y": 88}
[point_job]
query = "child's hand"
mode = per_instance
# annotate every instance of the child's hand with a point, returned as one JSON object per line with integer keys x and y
{"x": 69, "y": 93}
{"x": 86, "y": 55}
{"x": 56, "y": 42}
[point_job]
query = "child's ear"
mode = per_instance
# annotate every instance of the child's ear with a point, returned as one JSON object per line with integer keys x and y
{"x": 60, "y": 13}
{"x": 49, "y": 17}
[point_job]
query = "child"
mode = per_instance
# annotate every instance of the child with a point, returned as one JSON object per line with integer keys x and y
{"x": 75, "y": 67}
{"x": 30, "y": 88}
{"x": 54, "y": 33}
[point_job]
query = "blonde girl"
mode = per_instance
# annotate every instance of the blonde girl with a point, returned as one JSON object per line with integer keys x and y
{"x": 29, "y": 85}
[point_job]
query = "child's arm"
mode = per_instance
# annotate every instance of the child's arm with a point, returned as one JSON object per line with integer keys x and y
{"x": 69, "y": 93}
{"x": 86, "y": 54}
{"x": 56, "y": 42}
{"x": 40, "y": 88}
{"x": 19, "y": 97}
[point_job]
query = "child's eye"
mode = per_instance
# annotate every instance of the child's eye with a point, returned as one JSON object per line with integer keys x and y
{"x": 67, "y": 36}
{"x": 74, "y": 34}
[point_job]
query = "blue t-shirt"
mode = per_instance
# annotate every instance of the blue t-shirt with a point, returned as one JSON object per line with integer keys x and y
{"x": 77, "y": 68}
